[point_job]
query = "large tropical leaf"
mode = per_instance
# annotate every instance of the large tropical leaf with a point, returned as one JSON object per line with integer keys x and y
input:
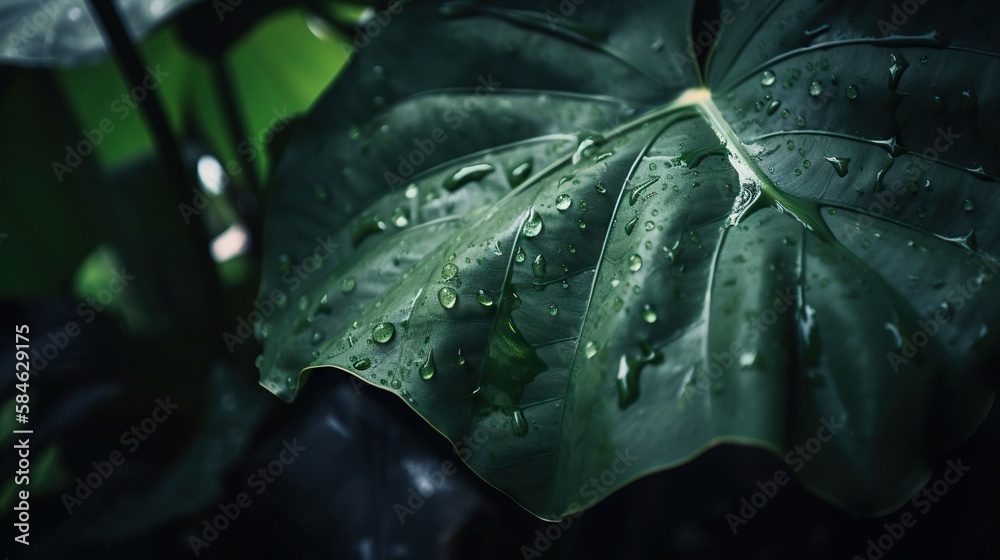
{"x": 64, "y": 32}
{"x": 565, "y": 239}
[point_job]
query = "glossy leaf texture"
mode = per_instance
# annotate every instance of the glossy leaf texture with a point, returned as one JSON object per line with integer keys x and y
{"x": 583, "y": 256}
{"x": 65, "y": 32}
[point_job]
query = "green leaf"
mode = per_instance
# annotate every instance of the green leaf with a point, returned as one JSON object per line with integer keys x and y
{"x": 63, "y": 32}
{"x": 297, "y": 74}
{"x": 266, "y": 100}
{"x": 604, "y": 265}
{"x": 33, "y": 230}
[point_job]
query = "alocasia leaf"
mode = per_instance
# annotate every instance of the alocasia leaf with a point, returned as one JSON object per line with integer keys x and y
{"x": 587, "y": 241}
{"x": 64, "y": 32}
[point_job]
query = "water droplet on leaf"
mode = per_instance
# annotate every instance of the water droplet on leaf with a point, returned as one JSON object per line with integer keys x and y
{"x": 586, "y": 147}
{"x": 648, "y": 314}
{"x": 366, "y": 227}
{"x": 427, "y": 369}
{"x": 538, "y": 266}
{"x": 401, "y": 216}
{"x": 383, "y": 332}
{"x": 628, "y": 373}
{"x": 348, "y": 284}
{"x": 533, "y": 225}
{"x": 636, "y": 193}
{"x": 361, "y": 364}
{"x": 630, "y": 225}
{"x": 484, "y": 298}
{"x": 634, "y": 263}
{"x": 840, "y": 164}
{"x": 467, "y": 175}
{"x": 518, "y": 424}
{"x": 520, "y": 174}
{"x": 447, "y": 297}
{"x": 564, "y": 201}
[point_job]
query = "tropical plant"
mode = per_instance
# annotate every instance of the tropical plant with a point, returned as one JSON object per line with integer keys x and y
{"x": 646, "y": 251}
{"x": 652, "y": 270}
